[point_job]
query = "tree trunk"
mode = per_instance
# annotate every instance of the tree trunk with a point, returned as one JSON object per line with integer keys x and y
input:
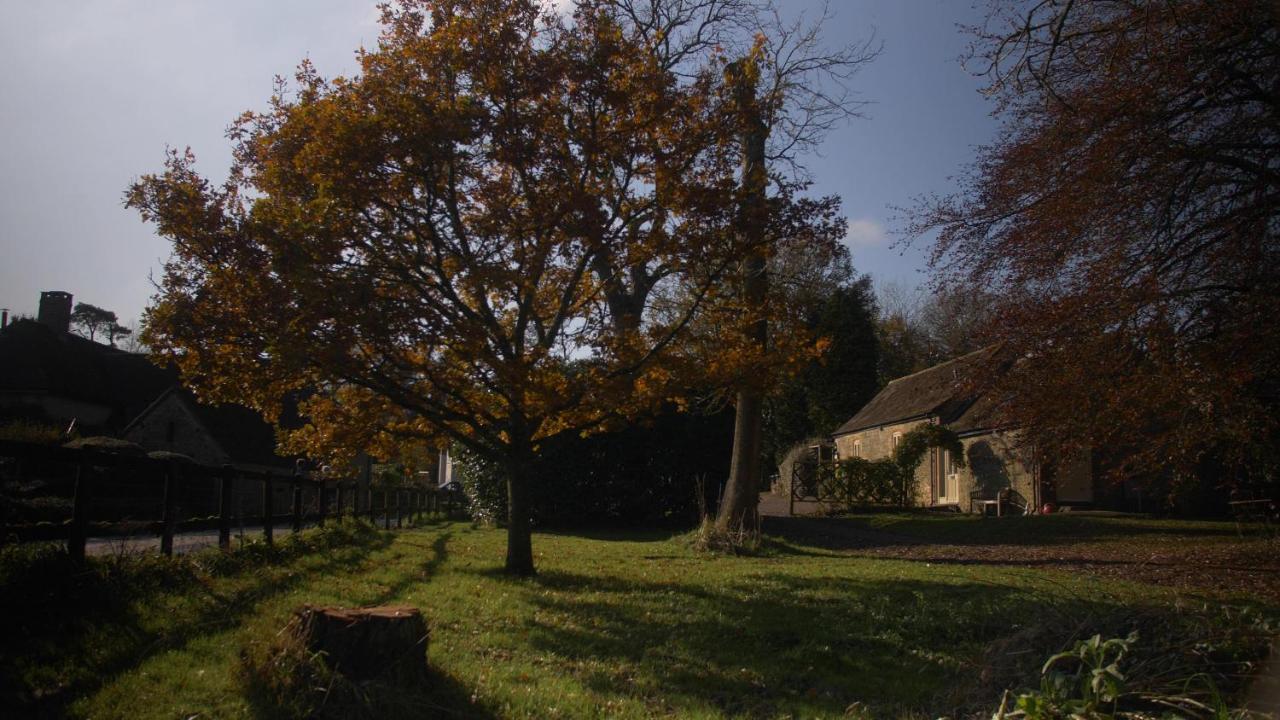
{"x": 742, "y": 493}
{"x": 519, "y": 529}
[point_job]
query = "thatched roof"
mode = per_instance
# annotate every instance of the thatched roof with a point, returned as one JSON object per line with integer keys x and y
{"x": 945, "y": 391}
{"x": 35, "y": 359}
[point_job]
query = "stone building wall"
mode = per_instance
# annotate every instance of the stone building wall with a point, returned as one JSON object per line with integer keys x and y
{"x": 171, "y": 426}
{"x": 993, "y": 461}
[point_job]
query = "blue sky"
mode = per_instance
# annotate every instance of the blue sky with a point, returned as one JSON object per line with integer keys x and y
{"x": 94, "y": 90}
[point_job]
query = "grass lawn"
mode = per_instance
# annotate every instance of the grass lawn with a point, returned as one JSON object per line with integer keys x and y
{"x": 626, "y": 625}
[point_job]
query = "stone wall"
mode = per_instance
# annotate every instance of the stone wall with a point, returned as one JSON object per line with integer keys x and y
{"x": 994, "y": 461}
{"x": 170, "y": 426}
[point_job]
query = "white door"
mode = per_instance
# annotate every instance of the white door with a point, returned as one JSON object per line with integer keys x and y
{"x": 948, "y": 480}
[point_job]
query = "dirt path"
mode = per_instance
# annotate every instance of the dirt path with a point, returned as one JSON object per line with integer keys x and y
{"x": 1251, "y": 569}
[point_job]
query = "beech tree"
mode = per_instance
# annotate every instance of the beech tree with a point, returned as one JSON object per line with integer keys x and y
{"x": 496, "y": 233}
{"x": 1128, "y": 218}
{"x": 786, "y": 94}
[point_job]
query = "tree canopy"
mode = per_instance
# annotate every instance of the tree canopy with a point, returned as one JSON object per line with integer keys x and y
{"x": 91, "y": 320}
{"x": 1128, "y": 220}
{"x": 495, "y": 234}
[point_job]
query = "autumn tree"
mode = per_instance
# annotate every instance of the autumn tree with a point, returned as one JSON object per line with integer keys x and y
{"x": 495, "y": 234}
{"x": 91, "y": 320}
{"x": 786, "y": 93}
{"x": 1128, "y": 219}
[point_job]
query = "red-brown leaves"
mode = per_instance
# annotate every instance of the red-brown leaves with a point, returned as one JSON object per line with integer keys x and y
{"x": 1129, "y": 218}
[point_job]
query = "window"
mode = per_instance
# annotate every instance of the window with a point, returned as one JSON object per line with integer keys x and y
{"x": 897, "y": 439}
{"x": 857, "y": 448}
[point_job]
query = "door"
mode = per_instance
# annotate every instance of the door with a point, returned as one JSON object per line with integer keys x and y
{"x": 948, "y": 482}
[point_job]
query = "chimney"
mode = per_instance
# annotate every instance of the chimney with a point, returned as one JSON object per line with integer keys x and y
{"x": 55, "y": 310}
{"x": 4, "y": 318}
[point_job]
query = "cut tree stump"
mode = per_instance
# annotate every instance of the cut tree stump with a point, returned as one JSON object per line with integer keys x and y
{"x": 383, "y": 643}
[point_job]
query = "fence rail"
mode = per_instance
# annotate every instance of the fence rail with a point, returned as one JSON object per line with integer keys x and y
{"x": 192, "y": 497}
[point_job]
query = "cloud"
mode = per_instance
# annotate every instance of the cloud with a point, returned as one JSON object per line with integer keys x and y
{"x": 865, "y": 233}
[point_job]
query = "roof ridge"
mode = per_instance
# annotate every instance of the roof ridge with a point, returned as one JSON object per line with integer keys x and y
{"x": 944, "y": 363}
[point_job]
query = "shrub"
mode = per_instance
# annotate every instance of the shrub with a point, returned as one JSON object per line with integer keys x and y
{"x": 31, "y": 431}
{"x": 637, "y": 476}
{"x": 484, "y": 483}
{"x": 858, "y": 481}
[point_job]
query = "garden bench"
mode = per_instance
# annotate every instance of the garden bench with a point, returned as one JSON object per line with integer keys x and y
{"x": 1005, "y": 496}
{"x": 1264, "y": 512}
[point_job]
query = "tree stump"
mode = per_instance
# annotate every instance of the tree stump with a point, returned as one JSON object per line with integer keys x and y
{"x": 382, "y": 643}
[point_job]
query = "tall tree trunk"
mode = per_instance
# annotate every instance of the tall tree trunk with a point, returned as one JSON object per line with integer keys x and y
{"x": 742, "y": 493}
{"x": 519, "y": 528}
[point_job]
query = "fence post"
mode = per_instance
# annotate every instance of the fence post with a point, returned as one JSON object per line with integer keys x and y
{"x": 167, "y": 518}
{"x": 386, "y": 510}
{"x": 225, "y": 489}
{"x": 79, "y": 530}
{"x": 268, "y": 510}
{"x": 297, "y": 505}
{"x": 323, "y": 491}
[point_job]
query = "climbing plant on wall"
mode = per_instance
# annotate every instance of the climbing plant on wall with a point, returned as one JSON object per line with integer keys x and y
{"x": 913, "y": 447}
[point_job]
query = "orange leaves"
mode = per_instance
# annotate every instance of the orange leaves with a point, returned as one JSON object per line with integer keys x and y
{"x": 503, "y": 229}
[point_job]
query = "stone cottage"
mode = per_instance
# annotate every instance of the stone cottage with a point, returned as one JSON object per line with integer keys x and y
{"x": 996, "y": 458}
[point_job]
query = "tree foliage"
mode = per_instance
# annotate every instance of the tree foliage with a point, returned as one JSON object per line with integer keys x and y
{"x": 916, "y": 331}
{"x": 1128, "y": 220}
{"x": 497, "y": 234}
{"x": 91, "y": 320}
{"x": 830, "y": 389}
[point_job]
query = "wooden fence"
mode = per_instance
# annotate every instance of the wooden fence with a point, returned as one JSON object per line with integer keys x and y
{"x": 191, "y": 497}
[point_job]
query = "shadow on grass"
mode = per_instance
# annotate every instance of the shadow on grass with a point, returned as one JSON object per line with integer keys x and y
{"x": 439, "y": 555}
{"x": 66, "y": 630}
{"x": 777, "y": 644}
{"x": 440, "y": 696}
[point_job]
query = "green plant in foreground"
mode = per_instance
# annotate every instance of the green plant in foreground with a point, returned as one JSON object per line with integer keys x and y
{"x": 1095, "y": 682}
{"x": 1086, "y": 683}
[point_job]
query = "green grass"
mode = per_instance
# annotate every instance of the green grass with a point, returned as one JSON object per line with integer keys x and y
{"x": 626, "y": 625}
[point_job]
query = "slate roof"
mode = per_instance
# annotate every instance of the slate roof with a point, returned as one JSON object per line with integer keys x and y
{"x": 945, "y": 391}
